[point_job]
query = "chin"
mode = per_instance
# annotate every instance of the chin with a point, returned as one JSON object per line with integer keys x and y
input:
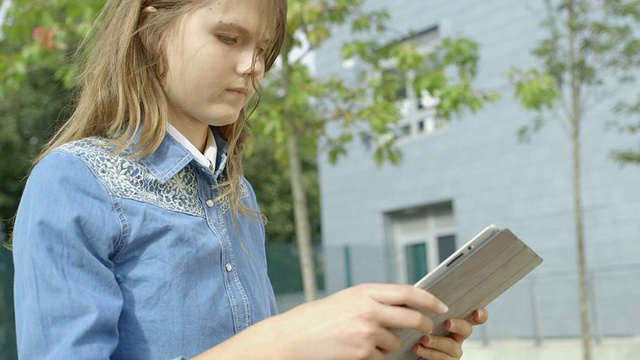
{"x": 220, "y": 123}
{"x": 224, "y": 119}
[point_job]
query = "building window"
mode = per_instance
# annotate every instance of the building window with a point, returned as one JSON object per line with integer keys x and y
{"x": 402, "y": 91}
{"x": 446, "y": 246}
{"x": 421, "y": 238}
{"x": 418, "y": 112}
{"x": 416, "y": 260}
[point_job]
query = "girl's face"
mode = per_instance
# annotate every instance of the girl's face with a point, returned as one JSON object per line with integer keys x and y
{"x": 211, "y": 57}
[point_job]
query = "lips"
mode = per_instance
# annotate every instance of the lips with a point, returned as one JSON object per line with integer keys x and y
{"x": 238, "y": 91}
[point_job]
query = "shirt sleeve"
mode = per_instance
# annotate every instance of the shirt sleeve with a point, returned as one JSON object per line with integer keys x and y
{"x": 67, "y": 299}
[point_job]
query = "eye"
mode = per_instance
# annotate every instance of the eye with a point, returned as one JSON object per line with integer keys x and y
{"x": 227, "y": 39}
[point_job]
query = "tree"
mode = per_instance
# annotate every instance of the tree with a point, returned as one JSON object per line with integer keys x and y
{"x": 35, "y": 82}
{"x": 270, "y": 179}
{"x": 623, "y": 20}
{"x": 37, "y": 39}
{"x": 28, "y": 117}
{"x": 298, "y": 108}
{"x": 587, "y": 42}
{"x": 43, "y": 33}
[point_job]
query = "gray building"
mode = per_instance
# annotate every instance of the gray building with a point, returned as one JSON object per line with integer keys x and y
{"x": 391, "y": 223}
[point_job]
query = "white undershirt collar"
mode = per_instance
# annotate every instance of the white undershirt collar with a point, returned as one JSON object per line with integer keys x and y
{"x": 208, "y": 159}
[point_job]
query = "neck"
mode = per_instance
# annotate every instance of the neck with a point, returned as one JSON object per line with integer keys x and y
{"x": 195, "y": 133}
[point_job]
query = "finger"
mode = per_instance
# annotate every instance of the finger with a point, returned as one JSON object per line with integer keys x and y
{"x": 392, "y": 294}
{"x": 479, "y": 317}
{"x": 386, "y": 341}
{"x": 459, "y": 329}
{"x": 438, "y": 347}
{"x": 378, "y": 354}
{"x": 444, "y": 344}
{"x": 404, "y": 318}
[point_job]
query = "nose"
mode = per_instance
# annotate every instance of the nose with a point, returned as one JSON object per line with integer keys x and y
{"x": 250, "y": 64}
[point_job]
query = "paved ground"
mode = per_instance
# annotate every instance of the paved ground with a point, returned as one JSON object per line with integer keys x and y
{"x": 565, "y": 349}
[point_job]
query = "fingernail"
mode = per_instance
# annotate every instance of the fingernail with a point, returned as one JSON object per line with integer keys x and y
{"x": 425, "y": 340}
{"x": 447, "y": 324}
{"x": 444, "y": 308}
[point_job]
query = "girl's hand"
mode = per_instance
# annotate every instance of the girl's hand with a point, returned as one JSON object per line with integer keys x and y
{"x": 450, "y": 347}
{"x": 354, "y": 323}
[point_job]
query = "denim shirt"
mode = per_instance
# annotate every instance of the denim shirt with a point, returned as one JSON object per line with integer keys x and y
{"x": 134, "y": 258}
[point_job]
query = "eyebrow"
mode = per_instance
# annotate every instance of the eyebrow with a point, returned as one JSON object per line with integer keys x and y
{"x": 235, "y": 26}
{"x": 243, "y": 30}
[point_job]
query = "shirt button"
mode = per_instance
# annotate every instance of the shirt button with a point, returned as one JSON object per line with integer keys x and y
{"x": 210, "y": 203}
{"x": 229, "y": 267}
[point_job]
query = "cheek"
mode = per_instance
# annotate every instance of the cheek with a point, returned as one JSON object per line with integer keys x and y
{"x": 185, "y": 81}
{"x": 175, "y": 75}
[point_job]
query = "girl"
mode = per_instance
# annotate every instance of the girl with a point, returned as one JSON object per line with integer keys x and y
{"x": 137, "y": 235}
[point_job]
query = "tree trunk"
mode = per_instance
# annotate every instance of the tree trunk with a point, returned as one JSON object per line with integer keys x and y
{"x": 576, "y": 121}
{"x": 582, "y": 262}
{"x": 300, "y": 205}
{"x": 301, "y": 216}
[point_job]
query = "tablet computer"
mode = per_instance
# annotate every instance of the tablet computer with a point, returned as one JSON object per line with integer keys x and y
{"x": 471, "y": 278}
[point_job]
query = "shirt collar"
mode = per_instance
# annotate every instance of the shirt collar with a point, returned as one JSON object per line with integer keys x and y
{"x": 208, "y": 159}
{"x": 172, "y": 156}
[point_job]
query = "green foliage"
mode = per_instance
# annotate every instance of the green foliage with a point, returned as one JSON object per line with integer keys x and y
{"x": 587, "y": 43}
{"x": 28, "y": 118}
{"x": 365, "y": 109}
{"x": 537, "y": 91}
{"x": 299, "y": 111}
{"x": 628, "y": 111}
{"x": 270, "y": 179}
{"x": 34, "y": 79}
{"x": 43, "y": 33}
{"x": 627, "y": 156}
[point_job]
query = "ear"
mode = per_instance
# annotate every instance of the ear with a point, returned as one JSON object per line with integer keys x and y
{"x": 145, "y": 13}
{"x": 149, "y": 9}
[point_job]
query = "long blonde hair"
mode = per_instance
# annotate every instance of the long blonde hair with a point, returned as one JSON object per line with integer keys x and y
{"x": 123, "y": 75}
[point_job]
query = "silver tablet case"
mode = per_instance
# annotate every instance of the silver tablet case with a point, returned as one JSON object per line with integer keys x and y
{"x": 466, "y": 283}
